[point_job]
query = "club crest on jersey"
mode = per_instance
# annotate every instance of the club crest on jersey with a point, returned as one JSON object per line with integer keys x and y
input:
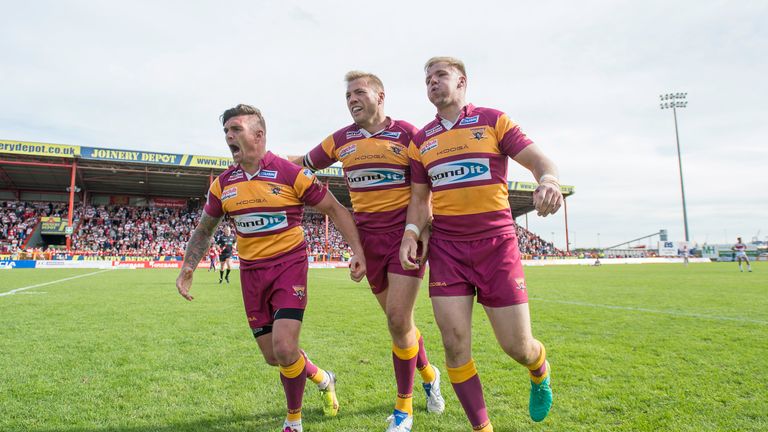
{"x": 267, "y": 174}
{"x": 228, "y": 193}
{"x": 346, "y": 151}
{"x": 396, "y": 149}
{"x": 469, "y": 120}
{"x": 520, "y": 282}
{"x": 428, "y": 146}
{"x": 236, "y": 175}
{"x": 274, "y": 189}
{"x": 460, "y": 171}
{"x": 433, "y": 130}
{"x": 368, "y": 177}
{"x": 299, "y": 291}
{"x": 252, "y": 223}
{"x": 478, "y": 133}
{"x": 354, "y": 134}
{"x": 388, "y": 134}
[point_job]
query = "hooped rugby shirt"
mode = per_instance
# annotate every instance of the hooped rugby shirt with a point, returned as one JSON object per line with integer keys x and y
{"x": 465, "y": 166}
{"x": 376, "y": 170}
{"x": 267, "y": 209}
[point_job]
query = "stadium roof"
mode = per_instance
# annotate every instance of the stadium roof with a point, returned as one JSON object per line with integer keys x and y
{"x": 43, "y": 167}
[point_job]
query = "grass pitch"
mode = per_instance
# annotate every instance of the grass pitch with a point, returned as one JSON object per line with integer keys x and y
{"x": 657, "y": 347}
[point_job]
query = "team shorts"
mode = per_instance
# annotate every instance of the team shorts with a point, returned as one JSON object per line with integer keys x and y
{"x": 489, "y": 268}
{"x": 382, "y": 256}
{"x": 266, "y": 290}
{"x": 224, "y": 257}
{"x": 742, "y": 255}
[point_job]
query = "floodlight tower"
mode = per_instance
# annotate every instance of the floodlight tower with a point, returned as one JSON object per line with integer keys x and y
{"x": 675, "y": 101}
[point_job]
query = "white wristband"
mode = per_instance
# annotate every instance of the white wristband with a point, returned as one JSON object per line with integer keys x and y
{"x": 414, "y": 228}
{"x": 549, "y": 178}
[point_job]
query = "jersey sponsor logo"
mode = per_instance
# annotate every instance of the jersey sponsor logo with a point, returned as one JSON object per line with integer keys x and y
{"x": 453, "y": 149}
{"x": 228, "y": 193}
{"x": 460, "y": 171}
{"x": 433, "y": 130}
{"x": 251, "y": 201}
{"x": 308, "y": 172}
{"x": 388, "y": 134}
{"x": 267, "y": 174}
{"x": 236, "y": 175}
{"x": 354, "y": 134}
{"x": 252, "y": 223}
{"x": 346, "y": 151}
{"x": 469, "y": 120}
{"x": 369, "y": 157}
{"x": 428, "y": 146}
{"x": 368, "y": 177}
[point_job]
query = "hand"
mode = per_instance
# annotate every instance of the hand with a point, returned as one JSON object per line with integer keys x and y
{"x": 408, "y": 248}
{"x": 184, "y": 283}
{"x": 547, "y": 198}
{"x": 357, "y": 267}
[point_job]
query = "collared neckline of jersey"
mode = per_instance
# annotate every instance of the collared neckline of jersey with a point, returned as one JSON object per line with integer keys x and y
{"x": 268, "y": 157}
{"x": 368, "y": 134}
{"x": 465, "y": 111}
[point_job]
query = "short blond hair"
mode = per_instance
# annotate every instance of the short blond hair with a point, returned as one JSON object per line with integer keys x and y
{"x": 451, "y": 61}
{"x": 372, "y": 79}
{"x": 243, "y": 110}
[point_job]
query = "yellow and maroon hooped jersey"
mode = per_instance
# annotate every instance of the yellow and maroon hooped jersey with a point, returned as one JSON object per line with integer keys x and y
{"x": 267, "y": 209}
{"x": 376, "y": 169}
{"x": 465, "y": 166}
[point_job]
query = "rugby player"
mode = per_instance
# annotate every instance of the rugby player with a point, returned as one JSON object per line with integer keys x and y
{"x": 227, "y": 244}
{"x": 459, "y": 163}
{"x": 741, "y": 254}
{"x": 372, "y": 151}
{"x": 265, "y": 196}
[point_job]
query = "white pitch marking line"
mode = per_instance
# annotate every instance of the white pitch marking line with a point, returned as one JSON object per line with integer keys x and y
{"x": 637, "y": 309}
{"x": 11, "y": 292}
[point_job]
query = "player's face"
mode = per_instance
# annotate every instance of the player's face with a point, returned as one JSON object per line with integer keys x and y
{"x": 245, "y": 138}
{"x": 445, "y": 84}
{"x": 364, "y": 101}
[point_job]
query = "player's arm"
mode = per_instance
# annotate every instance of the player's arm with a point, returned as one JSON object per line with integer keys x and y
{"x": 346, "y": 226}
{"x": 547, "y": 198}
{"x": 197, "y": 246}
{"x": 417, "y": 221}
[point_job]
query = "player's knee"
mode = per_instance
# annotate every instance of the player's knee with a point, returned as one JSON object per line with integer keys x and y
{"x": 456, "y": 344}
{"x": 524, "y": 352}
{"x": 271, "y": 359}
{"x": 286, "y": 351}
{"x": 399, "y": 322}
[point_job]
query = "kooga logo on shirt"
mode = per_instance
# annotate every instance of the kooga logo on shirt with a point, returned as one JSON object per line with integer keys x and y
{"x": 460, "y": 171}
{"x": 252, "y": 223}
{"x": 368, "y": 177}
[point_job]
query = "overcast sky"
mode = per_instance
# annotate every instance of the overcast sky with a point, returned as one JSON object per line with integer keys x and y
{"x": 581, "y": 78}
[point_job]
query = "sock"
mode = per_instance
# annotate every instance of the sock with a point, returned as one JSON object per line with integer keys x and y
{"x": 315, "y": 374}
{"x": 221, "y": 274}
{"x": 425, "y": 369}
{"x": 538, "y": 368}
{"x": 469, "y": 390}
{"x": 227, "y": 276}
{"x": 293, "y": 378}
{"x": 404, "y": 360}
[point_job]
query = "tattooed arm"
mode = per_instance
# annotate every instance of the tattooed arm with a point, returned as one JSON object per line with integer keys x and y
{"x": 198, "y": 245}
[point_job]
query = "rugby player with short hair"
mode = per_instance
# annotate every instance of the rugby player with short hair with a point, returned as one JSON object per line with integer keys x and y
{"x": 227, "y": 244}
{"x": 265, "y": 196}
{"x": 373, "y": 154}
{"x": 741, "y": 254}
{"x": 459, "y": 163}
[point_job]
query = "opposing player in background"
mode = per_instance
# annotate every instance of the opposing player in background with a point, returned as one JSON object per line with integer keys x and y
{"x": 459, "y": 162}
{"x": 265, "y": 195}
{"x": 373, "y": 154}
{"x": 740, "y": 249}
{"x": 226, "y": 243}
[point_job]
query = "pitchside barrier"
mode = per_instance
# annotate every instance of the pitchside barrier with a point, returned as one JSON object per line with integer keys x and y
{"x": 103, "y": 264}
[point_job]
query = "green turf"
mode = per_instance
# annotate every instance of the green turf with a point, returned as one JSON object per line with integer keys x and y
{"x": 656, "y": 347}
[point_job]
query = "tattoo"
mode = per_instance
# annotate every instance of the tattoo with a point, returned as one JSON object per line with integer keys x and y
{"x": 200, "y": 241}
